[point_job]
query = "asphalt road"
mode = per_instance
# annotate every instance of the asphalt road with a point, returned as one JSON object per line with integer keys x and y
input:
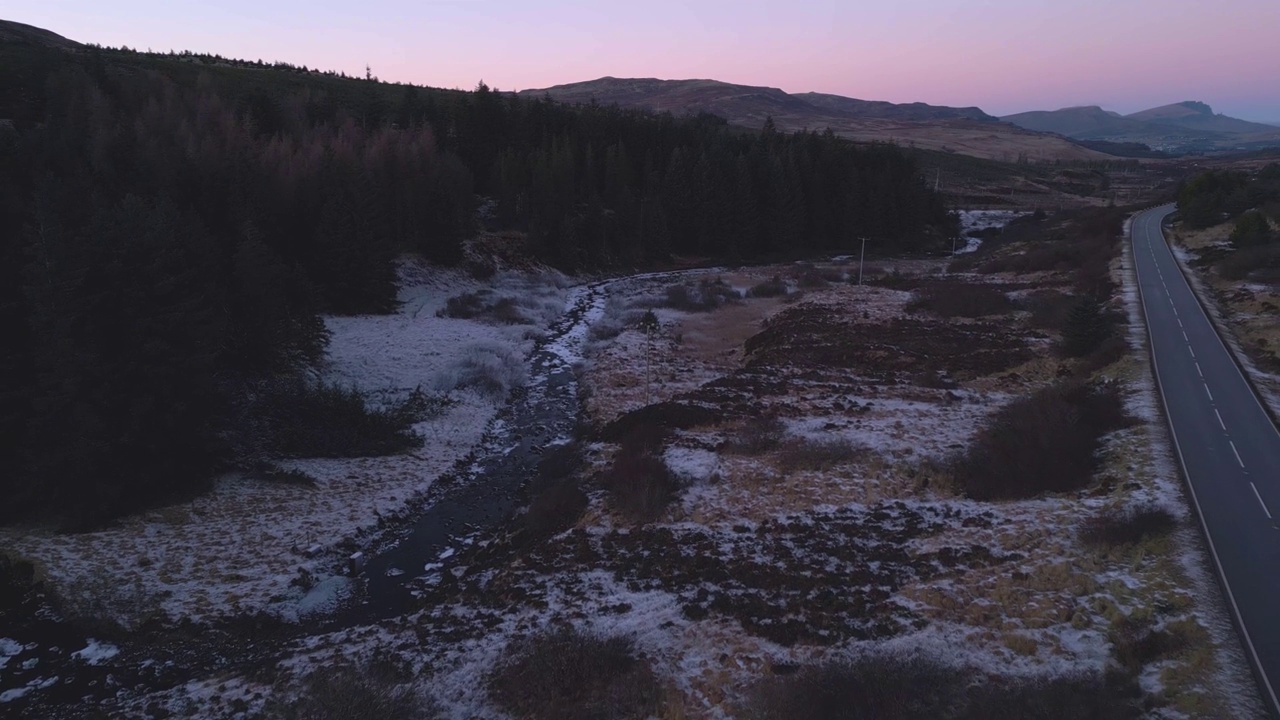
{"x": 1228, "y": 446}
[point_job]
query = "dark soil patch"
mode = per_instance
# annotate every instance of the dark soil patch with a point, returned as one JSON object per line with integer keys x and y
{"x": 811, "y": 336}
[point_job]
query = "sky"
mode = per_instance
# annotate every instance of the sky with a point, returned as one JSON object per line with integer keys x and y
{"x": 1000, "y": 55}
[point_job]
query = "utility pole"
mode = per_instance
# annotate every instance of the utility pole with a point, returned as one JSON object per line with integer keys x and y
{"x": 862, "y": 256}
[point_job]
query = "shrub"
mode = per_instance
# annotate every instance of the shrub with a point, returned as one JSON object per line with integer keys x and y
{"x": 1248, "y": 261}
{"x": 1097, "y": 696}
{"x": 1135, "y": 643}
{"x": 660, "y": 416}
{"x": 1110, "y": 351}
{"x": 1050, "y": 308}
{"x": 704, "y": 296}
{"x": 1046, "y": 442}
{"x": 490, "y": 369}
{"x": 639, "y": 483}
{"x": 298, "y": 418}
{"x": 809, "y": 454}
{"x": 1127, "y": 526}
{"x": 884, "y": 688}
{"x": 757, "y": 435}
{"x": 347, "y": 693}
{"x": 569, "y": 675}
{"x": 1251, "y": 229}
{"x": 959, "y": 299}
{"x": 1088, "y": 325}
{"x": 479, "y": 306}
{"x": 889, "y": 688}
{"x": 557, "y": 502}
{"x": 774, "y": 287}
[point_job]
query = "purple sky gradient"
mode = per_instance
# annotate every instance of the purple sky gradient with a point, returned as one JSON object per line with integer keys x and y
{"x": 1001, "y": 55}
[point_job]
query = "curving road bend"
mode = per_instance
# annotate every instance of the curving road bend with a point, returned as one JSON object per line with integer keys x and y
{"x": 1227, "y": 443}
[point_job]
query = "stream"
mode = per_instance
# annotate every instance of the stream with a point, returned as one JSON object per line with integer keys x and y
{"x": 50, "y": 668}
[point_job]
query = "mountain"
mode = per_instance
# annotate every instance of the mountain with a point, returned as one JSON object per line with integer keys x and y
{"x": 1088, "y": 122}
{"x": 1180, "y": 127}
{"x": 16, "y": 32}
{"x": 966, "y": 131}
{"x": 1200, "y": 117}
{"x": 891, "y": 111}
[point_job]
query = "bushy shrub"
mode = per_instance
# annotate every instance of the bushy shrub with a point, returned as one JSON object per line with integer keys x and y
{"x": 960, "y": 299}
{"x": 639, "y": 483}
{"x": 884, "y": 688}
{"x": 891, "y": 688}
{"x": 1044, "y": 443}
{"x": 492, "y": 370}
{"x": 1250, "y": 261}
{"x": 1088, "y": 325}
{"x": 704, "y": 296}
{"x": 774, "y": 287}
{"x": 1136, "y": 642}
{"x": 1097, "y": 696}
{"x": 557, "y": 501}
{"x": 661, "y": 416}
{"x": 1251, "y": 229}
{"x": 298, "y": 418}
{"x": 481, "y": 305}
{"x": 1050, "y": 308}
{"x": 569, "y": 675}
{"x": 1127, "y": 526}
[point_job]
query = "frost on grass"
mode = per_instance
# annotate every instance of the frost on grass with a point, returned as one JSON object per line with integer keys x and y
{"x": 773, "y": 565}
{"x": 251, "y": 545}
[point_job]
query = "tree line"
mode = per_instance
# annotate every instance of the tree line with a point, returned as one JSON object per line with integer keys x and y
{"x": 173, "y": 233}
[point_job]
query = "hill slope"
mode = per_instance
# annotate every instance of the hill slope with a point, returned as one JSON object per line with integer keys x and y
{"x": 16, "y": 32}
{"x": 967, "y": 131}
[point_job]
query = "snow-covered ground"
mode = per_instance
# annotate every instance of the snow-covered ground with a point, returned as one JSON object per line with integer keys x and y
{"x": 1004, "y": 589}
{"x": 251, "y": 545}
{"x": 977, "y": 220}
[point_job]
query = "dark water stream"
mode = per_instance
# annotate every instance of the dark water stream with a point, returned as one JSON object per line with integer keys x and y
{"x": 42, "y": 675}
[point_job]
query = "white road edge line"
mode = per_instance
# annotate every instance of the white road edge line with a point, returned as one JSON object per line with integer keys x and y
{"x": 1182, "y": 460}
{"x": 1264, "y": 505}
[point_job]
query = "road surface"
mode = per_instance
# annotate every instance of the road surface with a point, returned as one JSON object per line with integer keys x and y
{"x": 1228, "y": 446}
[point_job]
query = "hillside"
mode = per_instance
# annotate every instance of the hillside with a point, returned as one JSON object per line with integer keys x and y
{"x": 1178, "y": 128}
{"x": 967, "y": 131}
{"x": 16, "y": 32}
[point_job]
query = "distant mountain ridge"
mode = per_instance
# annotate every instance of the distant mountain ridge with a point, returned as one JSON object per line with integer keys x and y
{"x": 1182, "y": 127}
{"x": 962, "y": 130}
{"x": 730, "y": 101}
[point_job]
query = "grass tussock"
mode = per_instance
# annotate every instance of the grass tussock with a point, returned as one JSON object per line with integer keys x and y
{"x": 490, "y": 369}
{"x": 482, "y": 305}
{"x": 570, "y": 675}
{"x": 1126, "y": 526}
{"x": 810, "y": 454}
{"x": 890, "y": 688}
{"x": 349, "y": 693}
{"x": 1044, "y": 443}
{"x": 638, "y": 481}
{"x": 757, "y": 435}
{"x": 960, "y": 299}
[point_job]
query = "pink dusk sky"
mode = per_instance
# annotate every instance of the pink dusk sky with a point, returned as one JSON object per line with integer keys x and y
{"x": 1001, "y": 55}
